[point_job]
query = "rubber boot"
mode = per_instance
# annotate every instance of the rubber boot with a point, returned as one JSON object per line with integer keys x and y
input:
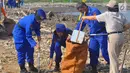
{"x": 94, "y": 69}
{"x": 57, "y": 67}
{"x": 32, "y": 68}
{"x": 23, "y": 69}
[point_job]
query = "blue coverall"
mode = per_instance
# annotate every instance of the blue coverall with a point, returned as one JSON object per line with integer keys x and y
{"x": 11, "y": 3}
{"x": 57, "y": 42}
{"x": 23, "y": 40}
{"x": 21, "y": 2}
{"x": 96, "y": 42}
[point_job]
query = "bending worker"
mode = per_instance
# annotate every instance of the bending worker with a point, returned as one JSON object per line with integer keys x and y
{"x": 59, "y": 39}
{"x": 24, "y": 43}
{"x": 97, "y": 41}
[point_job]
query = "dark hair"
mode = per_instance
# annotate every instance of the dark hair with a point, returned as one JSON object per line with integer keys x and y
{"x": 113, "y": 9}
{"x": 80, "y": 5}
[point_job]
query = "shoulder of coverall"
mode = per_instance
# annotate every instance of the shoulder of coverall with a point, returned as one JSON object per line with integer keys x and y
{"x": 92, "y": 10}
{"x": 27, "y": 20}
{"x": 30, "y": 16}
{"x": 69, "y": 31}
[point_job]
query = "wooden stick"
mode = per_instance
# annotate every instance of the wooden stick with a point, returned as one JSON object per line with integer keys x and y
{"x": 79, "y": 31}
{"x": 80, "y": 28}
{"x": 39, "y": 59}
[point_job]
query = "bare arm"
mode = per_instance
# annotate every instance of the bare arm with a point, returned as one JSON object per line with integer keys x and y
{"x": 127, "y": 26}
{"x": 89, "y": 17}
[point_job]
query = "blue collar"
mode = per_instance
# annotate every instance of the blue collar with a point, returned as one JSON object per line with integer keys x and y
{"x": 89, "y": 10}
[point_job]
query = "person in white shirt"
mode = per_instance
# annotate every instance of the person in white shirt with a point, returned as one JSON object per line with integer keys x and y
{"x": 2, "y": 10}
{"x": 116, "y": 23}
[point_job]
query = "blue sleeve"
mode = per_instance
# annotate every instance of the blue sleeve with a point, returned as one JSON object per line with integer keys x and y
{"x": 97, "y": 12}
{"x": 78, "y": 25}
{"x": 29, "y": 35}
{"x": 37, "y": 31}
{"x": 52, "y": 47}
{"x": 69, "y": 31}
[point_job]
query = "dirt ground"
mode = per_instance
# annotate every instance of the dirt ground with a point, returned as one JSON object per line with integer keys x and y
{"x": 8, "y": 54}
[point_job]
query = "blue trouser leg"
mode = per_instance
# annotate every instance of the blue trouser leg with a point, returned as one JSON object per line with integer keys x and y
{"x": 58, "y": 52}
{"x": 103, "y": 45}
{"x": 21, "y": 53}
{"x": 29, "y": 54}
{"x": 24, "y": 51}
{"x": 94, "y": 51}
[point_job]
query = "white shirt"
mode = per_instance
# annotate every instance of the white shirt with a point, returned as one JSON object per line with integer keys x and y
{"x": 114, "y": 21}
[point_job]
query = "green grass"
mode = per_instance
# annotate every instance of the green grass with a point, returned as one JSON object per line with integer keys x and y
{"x": 65, "y": 1}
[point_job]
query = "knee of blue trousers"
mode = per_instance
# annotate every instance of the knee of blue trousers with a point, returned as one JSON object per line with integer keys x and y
{"x": 21, "y": 53}
{"x": 94, "y": 52}
{"x": 58, "y": 52}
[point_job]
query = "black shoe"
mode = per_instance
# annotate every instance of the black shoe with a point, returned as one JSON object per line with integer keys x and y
{"x": 23, "y": 71}
{"x": 32, "y": 68}
{"x": 57, "y": 67}
{"x": 94, "y": 69}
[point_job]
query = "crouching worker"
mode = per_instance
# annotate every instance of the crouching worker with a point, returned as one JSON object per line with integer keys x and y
{"x": 24, "y": 43}
{"x": 59, "y": 37}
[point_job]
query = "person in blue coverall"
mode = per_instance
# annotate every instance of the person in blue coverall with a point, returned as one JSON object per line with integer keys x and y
{"x": 59, "y": 39}
{"x": 21, "y": 2}
{"x": 96, "y": 42}
{"x": 11, "y": 3}
{"x": 24, "y": 43}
